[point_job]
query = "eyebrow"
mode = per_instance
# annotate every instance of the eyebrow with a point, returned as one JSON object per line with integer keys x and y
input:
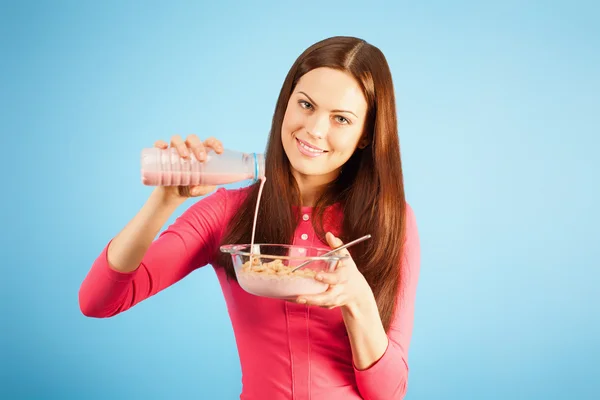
{"x": 335, "y": 111}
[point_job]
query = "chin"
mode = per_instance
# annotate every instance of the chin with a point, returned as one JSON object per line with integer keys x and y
{"x": 304, "y": 168}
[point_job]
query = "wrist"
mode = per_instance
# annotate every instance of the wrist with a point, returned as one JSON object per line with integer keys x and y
{"x": 361, "y": 307}
{"x": 165, "y": 200}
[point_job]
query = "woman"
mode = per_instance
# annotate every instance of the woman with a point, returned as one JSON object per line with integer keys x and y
{"x": 333, "y": 174}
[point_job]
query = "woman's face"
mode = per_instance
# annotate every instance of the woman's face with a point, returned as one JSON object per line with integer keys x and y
{"x": 323, "y": 124}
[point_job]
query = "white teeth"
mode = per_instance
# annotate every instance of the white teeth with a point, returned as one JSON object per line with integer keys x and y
{"x": 310, "y": 148}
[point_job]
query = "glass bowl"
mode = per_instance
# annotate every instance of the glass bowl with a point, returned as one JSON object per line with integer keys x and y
{"x": 270, "y": 274}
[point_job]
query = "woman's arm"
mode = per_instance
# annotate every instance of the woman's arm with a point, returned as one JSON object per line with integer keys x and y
{"x": 380, "y": 359}
{"x": 133, "y": 267}
{"x": 368, "y": 339}
{"x": 127, "y": 249}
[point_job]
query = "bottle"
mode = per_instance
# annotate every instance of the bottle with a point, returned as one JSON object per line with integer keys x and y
{"x": 164, "y": 167}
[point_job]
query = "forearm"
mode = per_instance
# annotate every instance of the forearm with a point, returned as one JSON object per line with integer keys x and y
{"x": 379, "y": 364}
{"x": 367, "y": 335}
{"x": 127, "y": 249}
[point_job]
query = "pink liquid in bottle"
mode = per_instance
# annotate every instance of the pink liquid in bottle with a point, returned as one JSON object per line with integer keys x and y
{"x": 164, "y": 167}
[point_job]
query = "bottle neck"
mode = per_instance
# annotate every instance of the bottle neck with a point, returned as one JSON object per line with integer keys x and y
{"x": 256, "y": 168}
{"x": 259, "y": 165}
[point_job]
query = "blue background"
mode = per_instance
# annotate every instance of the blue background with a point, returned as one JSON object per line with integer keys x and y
{"x": 499, "y": 121}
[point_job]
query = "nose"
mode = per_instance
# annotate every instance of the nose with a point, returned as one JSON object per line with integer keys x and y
{"x": 317, "y": 126}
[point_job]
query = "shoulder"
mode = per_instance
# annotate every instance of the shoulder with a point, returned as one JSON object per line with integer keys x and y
{"x": 225, "y": 201}
{"x": 211, "y": 213}
{"x": 235, "y": 197}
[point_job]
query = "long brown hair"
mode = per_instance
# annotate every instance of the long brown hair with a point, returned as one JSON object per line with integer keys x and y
{"x": 370, "y": 188}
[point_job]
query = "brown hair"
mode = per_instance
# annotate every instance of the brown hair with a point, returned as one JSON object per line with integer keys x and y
{"x": 370, "y": 188}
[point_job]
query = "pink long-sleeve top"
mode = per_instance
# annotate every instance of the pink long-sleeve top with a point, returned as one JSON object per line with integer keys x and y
{"x": 286, "y": 350}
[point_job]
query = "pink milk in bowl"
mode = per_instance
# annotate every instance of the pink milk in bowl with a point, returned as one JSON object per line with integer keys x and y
{"x": 268, "y": 271}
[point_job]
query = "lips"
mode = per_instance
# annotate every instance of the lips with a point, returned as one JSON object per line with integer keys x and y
{"x": 308, "y": 149}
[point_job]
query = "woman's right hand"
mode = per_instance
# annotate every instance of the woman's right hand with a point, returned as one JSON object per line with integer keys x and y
{"x": 185, "y": 148}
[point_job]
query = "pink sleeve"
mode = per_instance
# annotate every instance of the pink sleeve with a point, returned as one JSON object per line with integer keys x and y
{"x": 387, "y": 379}
{"x": 187, "y": 244}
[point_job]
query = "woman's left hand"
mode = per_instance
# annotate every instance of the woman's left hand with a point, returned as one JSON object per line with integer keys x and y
{"x": 347, "y": 286}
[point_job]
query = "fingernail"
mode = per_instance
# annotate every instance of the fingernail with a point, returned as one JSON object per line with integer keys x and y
{"x": 319, "y": 277}
{"x": 301, "y": 301}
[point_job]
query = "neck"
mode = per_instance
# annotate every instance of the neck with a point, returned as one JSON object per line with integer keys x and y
{"x": 311, "y": 187}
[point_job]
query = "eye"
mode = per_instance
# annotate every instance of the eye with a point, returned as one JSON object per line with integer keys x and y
{"x": 342, "y": 120}
{"x": 305, "y": 104}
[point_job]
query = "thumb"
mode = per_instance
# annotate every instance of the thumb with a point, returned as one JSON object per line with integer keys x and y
{"x": 334, "y": 242}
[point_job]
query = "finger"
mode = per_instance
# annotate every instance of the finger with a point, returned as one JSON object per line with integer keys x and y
{"x": 201, "y": 190}
{"x": 319, "y": 301}
{"x": 196, "y": 146}
{"x": 332, "y": 278}
{"x": 161, "y": 144}
{"x": 214, "y": 144}
{"x": 327, "y": 298}
{"x": 334, "y": 242}
{"x": 179, "y": 144}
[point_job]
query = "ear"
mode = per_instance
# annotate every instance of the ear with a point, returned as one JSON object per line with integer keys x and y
{"x": 364, "y": 142}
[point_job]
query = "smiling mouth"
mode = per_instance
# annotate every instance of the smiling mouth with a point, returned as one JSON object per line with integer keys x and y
{"x": 309, "y": 149}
